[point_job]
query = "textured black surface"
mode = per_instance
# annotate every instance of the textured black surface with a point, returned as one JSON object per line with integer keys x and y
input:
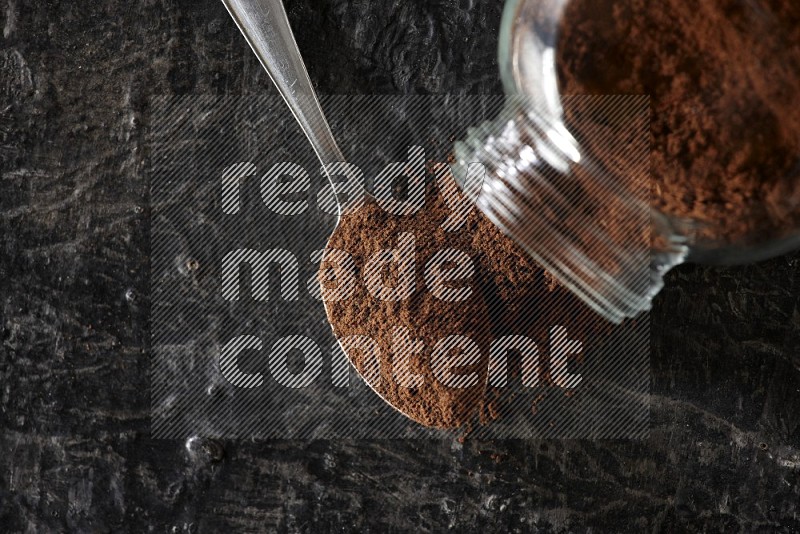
{"x": 75, "y": 82}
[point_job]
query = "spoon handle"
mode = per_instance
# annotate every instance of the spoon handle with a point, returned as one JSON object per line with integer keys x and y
{"x": 265, "y": 26}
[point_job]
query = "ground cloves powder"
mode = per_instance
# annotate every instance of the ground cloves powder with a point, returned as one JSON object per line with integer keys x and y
{"x": 723, "y": 78}
{"x": 510, "y": 295}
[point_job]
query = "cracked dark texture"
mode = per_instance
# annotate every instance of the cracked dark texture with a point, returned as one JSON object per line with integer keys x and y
{"x": 75, "y": 83}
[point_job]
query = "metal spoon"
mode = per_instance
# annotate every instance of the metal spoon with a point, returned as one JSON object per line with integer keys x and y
{"x": 266, "y": 28}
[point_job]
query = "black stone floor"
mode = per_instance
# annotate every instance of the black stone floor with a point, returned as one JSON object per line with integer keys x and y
{"x": 76, "y": 79}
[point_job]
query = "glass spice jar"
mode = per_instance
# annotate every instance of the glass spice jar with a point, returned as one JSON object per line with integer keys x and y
{"x": 714, "y": 76}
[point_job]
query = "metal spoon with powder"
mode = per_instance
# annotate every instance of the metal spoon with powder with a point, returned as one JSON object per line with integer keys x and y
{"x": 266, "y": 28}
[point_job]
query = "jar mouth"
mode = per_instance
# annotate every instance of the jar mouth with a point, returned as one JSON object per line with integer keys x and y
{"x": 566, "y": 210}
{"x": 528, "y": 56}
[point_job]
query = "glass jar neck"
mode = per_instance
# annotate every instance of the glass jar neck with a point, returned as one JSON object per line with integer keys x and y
{"x": 571, "y": 214}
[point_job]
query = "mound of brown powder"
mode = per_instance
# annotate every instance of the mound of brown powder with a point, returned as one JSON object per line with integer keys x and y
{"x": 724, "y": 81}
{"x": 362, "y": 235}
{"x": 511, "y": 295}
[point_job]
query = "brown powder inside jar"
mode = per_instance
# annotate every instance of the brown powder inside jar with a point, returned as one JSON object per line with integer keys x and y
{"x": 511, "y": 295}
{"x": 724, "y": 78}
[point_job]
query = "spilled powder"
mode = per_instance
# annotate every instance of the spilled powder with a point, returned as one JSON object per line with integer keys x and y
{"x": 724, "y": 137}
{"x": 511, "y": 295}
